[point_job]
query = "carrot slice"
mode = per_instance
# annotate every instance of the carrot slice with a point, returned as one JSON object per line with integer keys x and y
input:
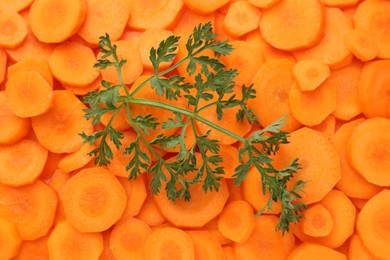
{"x": 154, "y": 14}
{"x": 169, "y": 243}
{"x": 54, "y": 21}
{"x": 40, "y": 66}
{"x": 357, "y": 250}
{"x": 205, "y": 7}
{"x": 319, "y": 161}
{"x": 58, "y": 129}
{"x": 69, "y": 70}
{"x": 35, "y": 249}
{"x": 14, "y": 5}
{"x": 318, "y": 221}
{"x": 13, "y": 29}
{"x": 93, "y": 200}
{"x": 66, "y": 242}
{"x": 128, "y": 238}
{"x": 374, "y": 87}
{"x": 293, "y": 24}
{"x": 136, "y": 195}
{"x": 327, "y": 126}
{"x": 102, "y": 17}
{"x": 274, "y": 81}
{"x": 21, "y": 163}
{"x": 362, "y": 44}
{"x": 12, "y": 127}
{"x": 206, "y": 245}
{"x": 264, "y": 3}
{"x": 309, "y": 74}
{"x": 84, "y": 90}
{"x": 373, "y": 224}
{"x": 368, "y": 152}
{"x": 149, "y": 212}
{"x": 374, "y": 16}
{"x": 76, "y": 160}
{"x": 264, "y": 242}
{"x": 31, "y": 207}
{"x": 10, "y": 240}
{"x": 311, "y": 251}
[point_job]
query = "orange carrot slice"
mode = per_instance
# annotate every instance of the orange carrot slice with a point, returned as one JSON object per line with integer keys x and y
{"x": 309, "y": 74}
{"x": 206, "y": 245}
{"x": 362, "y": 44}
{"x": 15, "y": 5}
{"x": 13, "y": 29}
{"x": 40, "y": 66}
{"x": 264, "y": 3}
{"x": 36, "y": 248}
{"x": 76, "y": 160}
{"x": 357, "y": 250}
{"x": 149, "y": 212}
{"x": 205, "y": 7}
{"x": 318, "y": 221}
{"x": 327, "y": 126}
{"x": 10, "y": 240}
{"x": 136, "y": 195}
{"x": 311, "y": 251}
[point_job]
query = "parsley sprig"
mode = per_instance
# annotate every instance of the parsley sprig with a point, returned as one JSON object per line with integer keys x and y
{"x": 213, "y": 87}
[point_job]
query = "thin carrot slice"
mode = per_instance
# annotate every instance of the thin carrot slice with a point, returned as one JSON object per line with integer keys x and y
{"x": 368, "y": 152}
{"x": 362, "y": 44}
{"x": 205, "y": 7}
{"x": 331, "y": 48}
{"x": 31, "y": 207}
{"x": 12, "y": 127}
{"x": 318, "y": 221}
{"x": 93, "y": 200}
{"x": 169, "y": 243}
{"x": 373, "y": 224}
{"x": 58, "y": 129}
{"x": 293, "y": 24}
{"x": 76, "y": 160}
{"x": 206, "y": 245}
{"x": 264, "y": 242}
{"x": 150, "y": 213}
{"x": 128, "y": 238}
{"x": 69, "y": 70}
{"x": 40, "y": 66}
{"x": 311, "y": 251}
{"x": 66, "y": 242}
{"x": 54, "y": 21}
{"x": 34, "y": 249}
{"x": 154, "y": 14}
{"x": 13, "y": 29}
{"x": 309, "y": 74}
{"x": 3, "y": 64}
{"x": 357, "y": 250}
{"x": 264, "y": 3}
{"x": 136, "y": 195}
{"x": 374, "y": 87}
{"x": 319, "y": 161}
{"x": 10, "y": 240}
{"x": 14, "y": 5}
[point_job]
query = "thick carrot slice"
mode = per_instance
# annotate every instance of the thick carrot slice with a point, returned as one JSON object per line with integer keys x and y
{"x": 40, "y": 66}
{"x": 351, "y": 182}
{"x": 149, "y": 212}
{"x": 368, "y": 152}
{"x": 373, "y": 224}
{"x": 264, "y": 3}
{"x": 241, "y": 18}
{"x": 318, "y": 221}
{"x": 362, "y": 44}
{"x": 136, "y": 195}
{"x": 374, "y": 16}
{"x": 237, "y": 221}
{"x": 154, "y": 14}
{"x": 357, "y": 250}
{"x": 31, "y": 207}
{"x": 128, "y": 238}
{"x": 76, "y": 72}
{"x": 331, "y": 48}
{"x": 311, "y": 251}
{"x": 274, "y": 81}
{"x": 319, "y": 161}
{"x": 93, "y": 200}
{"x": 54, "y": 21}
{"x": 309, "y": 74}
{"x": 66, "y": 242}
{"x": 206, "y": 245}
{"x": 21, "y": 163}
{"x": 264, "y": 242}
{"x": 293, "y": 24}
{"x": 10, "y": 240}
{"x": 169, "y": 243}
{"x": 35, "y": 249}
{"x": 13, "y": 29}
{"x": 14, "y": 5}
{"x": 58, "y": 129}
{"x": 76, "y": 160}
{"x": 12, "y": 127}
{"x": 205, "y": 7}
{"x": 374, "y": 87}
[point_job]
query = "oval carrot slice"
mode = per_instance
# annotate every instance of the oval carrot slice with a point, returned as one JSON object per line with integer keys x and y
{"x": 311, "y": 251}
{"x": 13, "y": 29}
{"x": 309, "y": 74}
{"x": 10, "y": 240}
{"x": 58, "y": 129}
{"x": 206, "y": 245}
{"x": 293, "y": 24}
{"x": 54, "y": 21}
{"x": 93, "y": 200}
{"x": 373, "y": 224}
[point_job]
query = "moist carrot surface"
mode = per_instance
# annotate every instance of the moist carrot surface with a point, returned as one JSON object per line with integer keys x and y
{"x": 321, "y": 65}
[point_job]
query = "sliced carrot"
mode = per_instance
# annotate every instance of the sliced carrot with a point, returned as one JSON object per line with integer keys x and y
{"x": 40, "y": 66}
{"x": 31, "y": 207}
{"x": 207, "y": 247}
{"x": 66, "y": 242}
{"x": 229, "y": 155}
{"x": 12, "y": 127}
{"x": 154, "y": 14}
{"x": 374, "y": 16}
{"x": 34, "y": 249}
{"x": 212, "y": 227}
{"x": 76, "y": 160}
{"x": 13, "y": 29}
{"x": 318, "y": 221}
{"x": 205, "y": 7}
{"x": 128, "y": 238}
{"x": 293, "y": 24}
{"x": 57, "y": 182}
{"x": 373, "y": 224}
{"x": 51, "y": 165}
{"x": 169, "y": 243}
{"x": 311, "y": 251}
{"x": 10, "y": 240}
{"x": 58, "y": 129}
{"x": 131, "y": 35}
{"x": 320, "y": 165}
{"x": 133, "y": 67}
{"x": 357, "y": 250}
{"x": 327, "y": 126}
{"x": 82, "y": 91}
{"x": 351, "y": 182}
{"x": 274, "y": 81}
{"x": 3, "y": 64}
{"x": 362, "y": 44}
{"x": 93, "y": 200}
{"x": 54, "y": 21}
{"x": 331, "y": 48}
{"x": 71, "y": 71}
{"x": 15, "y": 5}
{"x": 264, "y": 3}
{"x": 136, "y": 195}
{"x": 374, "y": 87}
{"x": 368, "y": 152}
{"x": 149, "y": 212}
{"x": 237, "y": 221}
{"x": 264, "y": 242}
{"x": 309, "y": 74}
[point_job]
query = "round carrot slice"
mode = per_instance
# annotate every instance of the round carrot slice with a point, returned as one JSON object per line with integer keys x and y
{"x": 13, "y": 29}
